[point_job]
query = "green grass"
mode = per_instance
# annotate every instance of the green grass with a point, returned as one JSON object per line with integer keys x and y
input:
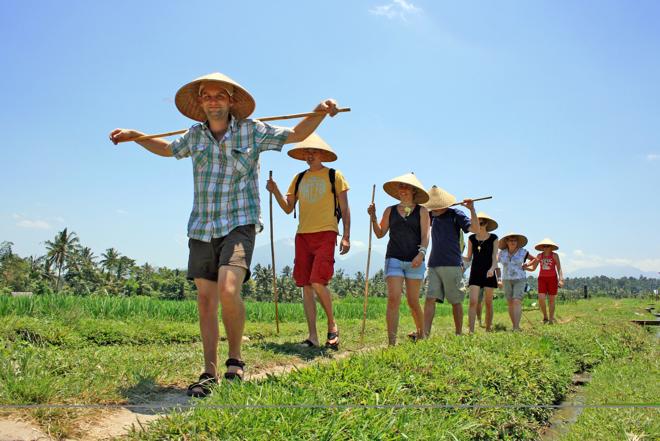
{"x": 535, "y": 367}
{"x": 632, "y": 379}
{"x": 57, "y": 349}
{"x": 71, "y": 308}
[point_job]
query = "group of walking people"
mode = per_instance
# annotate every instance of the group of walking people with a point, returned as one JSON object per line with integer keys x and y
{"x": 420, "y": 214}
{"x": 225, "y": 145}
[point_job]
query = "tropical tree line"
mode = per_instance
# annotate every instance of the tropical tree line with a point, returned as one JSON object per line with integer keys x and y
{"x": 68, "y": 267}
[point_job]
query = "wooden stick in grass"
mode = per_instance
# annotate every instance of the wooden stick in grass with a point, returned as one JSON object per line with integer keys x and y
{"x": 272, "y": 254}
{"x": 366, "y": 283}
{"x": 473, "y": 200}
{"x": 266, "y": 118}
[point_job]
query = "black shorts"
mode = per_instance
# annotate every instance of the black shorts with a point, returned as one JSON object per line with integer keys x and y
{"x": 234, "y": 249}
{"x": 482, "y": 281}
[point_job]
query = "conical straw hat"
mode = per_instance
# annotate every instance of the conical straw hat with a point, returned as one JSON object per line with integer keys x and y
{"x": 313, "y": 141}
{"x": 391, "y": 187}
{"x": 491, "y": 225}
{"x": 522, "y": 240}
{"x": 546, "y": 241}
{"x": 439, "y": 199}
{"x": 186, "y": 98}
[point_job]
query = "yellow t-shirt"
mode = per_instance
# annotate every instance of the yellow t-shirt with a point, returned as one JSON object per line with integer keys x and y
{"x": 316, "y": 204}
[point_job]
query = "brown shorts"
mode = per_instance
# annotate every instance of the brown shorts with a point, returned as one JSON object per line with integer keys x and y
{"x": 234, "y": 249}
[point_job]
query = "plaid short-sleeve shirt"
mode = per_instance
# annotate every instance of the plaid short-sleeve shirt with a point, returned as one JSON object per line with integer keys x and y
{"x": 226, "y": 174}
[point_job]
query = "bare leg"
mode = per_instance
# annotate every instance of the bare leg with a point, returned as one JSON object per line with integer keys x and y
{"x": 309, "y": 305}
{"x": 429, "y": 312}
{"x": 457, "y": 311}
{"x": 488, "y": 300}
{"x": 412, "y": 296}
{"x": 325, "y": 299}
{"x": 472, "y": 311}
{"x": 517, "y": 313}
{"x": 542, "y": 306}
{"x": 510, "y": 305}
{"x": 479, "y": 309}
{"x": 551, "y": 303}
{"x": 207, "y": 304}
{"x": 230, "y": 279}
{"x": 394, "y": 288}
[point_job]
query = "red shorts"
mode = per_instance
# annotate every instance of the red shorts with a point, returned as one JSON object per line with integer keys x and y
{"x": 548, "y": 285}
{"x": 315, "y": 258}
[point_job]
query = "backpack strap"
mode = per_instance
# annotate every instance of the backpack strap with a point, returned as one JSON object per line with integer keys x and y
{"x": 295, "y": 191}
{"x": 331, "y": 174}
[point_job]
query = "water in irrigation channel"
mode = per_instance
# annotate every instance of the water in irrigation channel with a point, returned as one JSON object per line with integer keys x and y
{"x": 569, "y": 410}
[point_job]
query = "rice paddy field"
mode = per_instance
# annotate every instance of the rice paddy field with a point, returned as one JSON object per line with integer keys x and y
{"x": 104, "y": 351}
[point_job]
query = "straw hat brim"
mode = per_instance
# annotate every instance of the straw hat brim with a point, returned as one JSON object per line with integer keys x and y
{"x": 299, "y": 153}
{"x": 439, "y": 199}
{"x": 522, "y": 240}
{"x": 187, "y": 102}
{"x": 391, "y": 187}
{"x": 491, "y": 223}
{"x": 539, "y": 246}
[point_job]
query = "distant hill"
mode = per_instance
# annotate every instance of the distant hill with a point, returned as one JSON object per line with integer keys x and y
{"x": 614, "y": 271}
{"x": 351, "y": 263}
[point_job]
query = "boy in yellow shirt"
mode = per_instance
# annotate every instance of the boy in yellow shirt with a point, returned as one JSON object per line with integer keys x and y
{"x": 323, "y": 198}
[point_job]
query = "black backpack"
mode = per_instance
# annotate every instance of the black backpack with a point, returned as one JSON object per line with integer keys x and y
{"x": 331, "y": 174}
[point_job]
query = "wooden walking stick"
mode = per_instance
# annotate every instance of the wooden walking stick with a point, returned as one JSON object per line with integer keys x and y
{"x": 473, "y": 200}
{"x": 272, "y": 254}
{"x": 366, "y": 283}
{"x": 265, "y": 118}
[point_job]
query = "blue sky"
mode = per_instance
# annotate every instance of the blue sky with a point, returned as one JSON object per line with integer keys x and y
{"x": 551, "y": 107}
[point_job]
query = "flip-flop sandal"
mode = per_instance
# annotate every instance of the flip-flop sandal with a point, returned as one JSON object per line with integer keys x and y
{"x": 236, "y": 363}
{"x": 333, "y": 336}
{"x": 202, "y": 387}
{"x": 413, "y": 336}
{"x": 308, "y": 344}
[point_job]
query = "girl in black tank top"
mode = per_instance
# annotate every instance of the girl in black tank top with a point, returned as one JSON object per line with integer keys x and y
{"x": 408, "y": 224}
{"x": 405, "y": 235}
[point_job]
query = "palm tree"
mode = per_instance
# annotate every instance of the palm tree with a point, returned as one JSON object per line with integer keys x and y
{"x": 110, "y": 259}
{"x": 60, "y": 251}
{"x": 124, "y": 266}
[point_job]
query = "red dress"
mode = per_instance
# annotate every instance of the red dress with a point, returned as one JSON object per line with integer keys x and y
{"x": 548, "y": 283}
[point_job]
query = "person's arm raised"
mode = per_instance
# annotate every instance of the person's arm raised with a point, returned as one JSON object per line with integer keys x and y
{"x": 307, "y": 126}
{"x": 157, "y": 146}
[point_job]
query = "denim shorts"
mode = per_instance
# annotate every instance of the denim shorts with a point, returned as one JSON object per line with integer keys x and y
{"x": 399, "y": 268}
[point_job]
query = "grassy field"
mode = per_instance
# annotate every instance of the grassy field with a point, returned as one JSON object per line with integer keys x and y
{"x": 118, "y": 351}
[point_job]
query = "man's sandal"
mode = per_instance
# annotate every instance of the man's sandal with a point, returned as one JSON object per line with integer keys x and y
{"x": 333, "y": 336}
{"x": 202, "y": 387}
{"x": 236, "y": 363}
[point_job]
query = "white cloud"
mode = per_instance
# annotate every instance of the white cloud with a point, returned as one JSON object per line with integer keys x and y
{"x": 581, "y": 260}
{"x": 652, "y": 157}
{"x": 34, "y": 224}
{"x": 396, "y": 9}
{"x": 121, "y": 211}
{"x": 358, "y": 245}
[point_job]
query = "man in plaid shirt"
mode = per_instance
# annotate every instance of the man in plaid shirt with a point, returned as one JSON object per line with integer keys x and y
{"x": 225, "y": 218}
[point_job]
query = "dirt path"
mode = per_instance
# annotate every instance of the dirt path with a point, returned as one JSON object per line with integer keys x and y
{"x": 109, "y": 424}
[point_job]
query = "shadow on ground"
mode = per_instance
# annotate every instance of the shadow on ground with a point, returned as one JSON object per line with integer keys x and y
{"x": 302, "y": 352}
